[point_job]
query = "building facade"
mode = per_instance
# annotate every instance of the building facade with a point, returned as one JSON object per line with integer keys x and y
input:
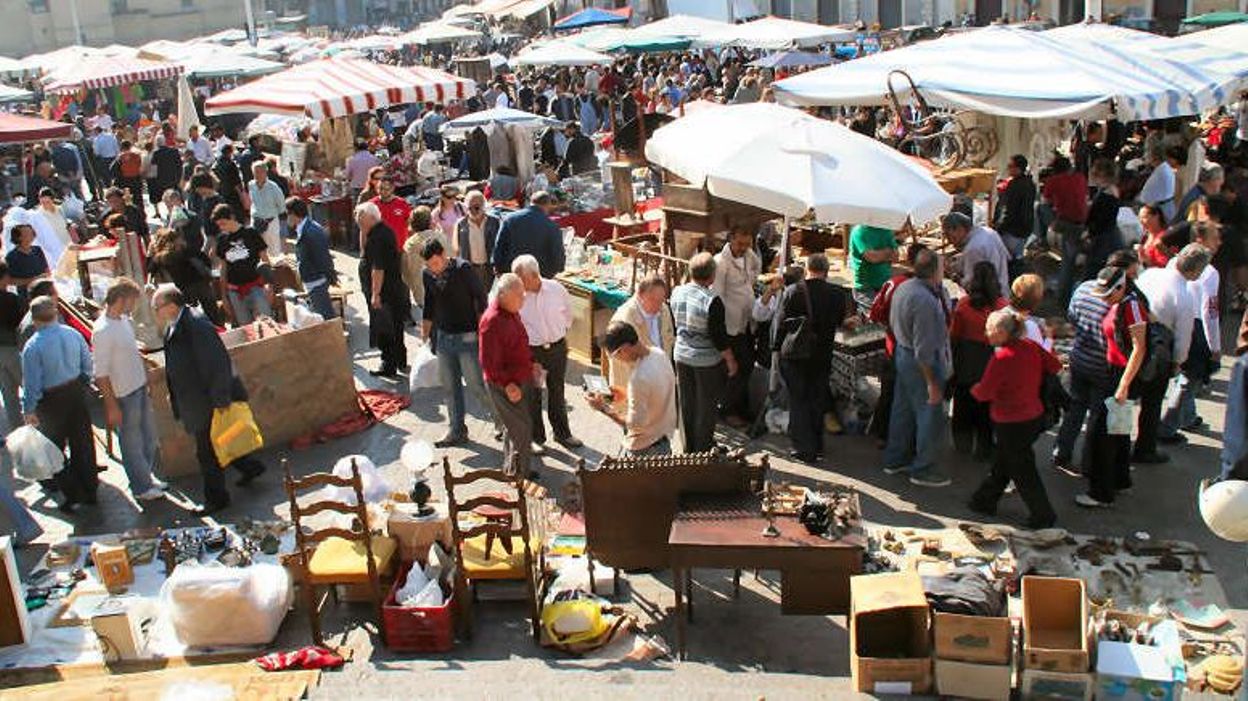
{"x": 897, "y": 13}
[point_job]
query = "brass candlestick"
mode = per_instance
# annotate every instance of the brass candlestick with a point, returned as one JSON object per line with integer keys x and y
{"x": 769, "y": 510}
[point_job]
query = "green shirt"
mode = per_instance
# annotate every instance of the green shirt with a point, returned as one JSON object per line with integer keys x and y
{"x": 863, "y": 238}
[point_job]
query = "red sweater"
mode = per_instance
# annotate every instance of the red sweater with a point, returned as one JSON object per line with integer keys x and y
{"x": 1068, "y": 193}
{"x": 394, "y": 214}
{"x": 503, "y": 348}
{"x": 968, "y": 322}
{"x": 1012, "y": 381}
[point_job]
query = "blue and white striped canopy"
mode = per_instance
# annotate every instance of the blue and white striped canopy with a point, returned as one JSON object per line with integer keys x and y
{"x": 1013, "y": 72}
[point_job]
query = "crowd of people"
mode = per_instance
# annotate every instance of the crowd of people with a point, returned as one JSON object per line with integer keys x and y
{"x": 478, "y": 287}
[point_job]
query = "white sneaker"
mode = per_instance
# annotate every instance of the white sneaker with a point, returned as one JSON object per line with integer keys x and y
{"x": 151, "y": 495}
{"x": 538, "y": 449}
{"x": 159, "y": 483}
{"x": 1088, "y": 501}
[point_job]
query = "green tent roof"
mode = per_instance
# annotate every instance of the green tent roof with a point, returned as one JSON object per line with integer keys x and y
{"x": 1217, "y": 19}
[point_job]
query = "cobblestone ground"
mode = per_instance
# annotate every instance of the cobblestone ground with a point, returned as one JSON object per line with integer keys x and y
{"x": 738, "y": 649}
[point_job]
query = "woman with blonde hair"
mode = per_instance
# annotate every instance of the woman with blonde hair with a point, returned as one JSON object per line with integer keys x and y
{"x": 1026, "y": 294}
{"x": 420, "y": 229}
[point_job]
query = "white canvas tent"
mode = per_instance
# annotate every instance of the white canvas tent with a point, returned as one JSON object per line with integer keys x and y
{"x": 773, "y": 34}
{"x": 558, "y": 53}
{"x": 1032, "y": 76}
{"x": 786, "y": 161}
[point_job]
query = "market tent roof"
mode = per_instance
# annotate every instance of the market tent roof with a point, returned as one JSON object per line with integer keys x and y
{"x": 558, "y": 53}
{"x": 1183, "y": 49}
{"x": 786, "y": 161}
{"x": 1232, "y": 37}
{"x": 1044, "y": 77}
{"x": 688, "y": 26}
{"x": 592, "y": 17}
{"x": 338, "y": 87}
{"x": 776, "y": 33}
{"x": 11, "y": 67}
{"x": 9, "y": 93}
{"x": 221, "y": 64}
{"x": 501, "y": 9}
{"x": 1217, "y": 19}
{"x": 18, "y": 129}
{"x": 437, "y": 33}
{"x": 500, "y": 115}
{"x": 791, "y": 59}
{"x": 108, "y": 71}
{"x": 53, "y": 60}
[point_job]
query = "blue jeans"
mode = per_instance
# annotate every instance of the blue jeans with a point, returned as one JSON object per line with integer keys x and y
{"x": 916, "y": 429}
{"x": 1179, "y": 408}
{"x": 1086, "y": 393}
{"x": 458, "y": 363}
{"x": 137, "y": 437}
{"x": 253, "y": 306}
{"x": 319, "y": 301}
{"x": 18, "y": 515}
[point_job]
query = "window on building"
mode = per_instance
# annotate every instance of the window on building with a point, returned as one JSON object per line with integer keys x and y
{"x": 38, "y": 6}
{"x": 118, "y": 7}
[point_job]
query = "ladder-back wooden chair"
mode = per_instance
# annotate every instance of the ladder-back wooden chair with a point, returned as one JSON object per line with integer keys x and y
{"x": 523, "y": 534}
{"x": 330, "y": 556}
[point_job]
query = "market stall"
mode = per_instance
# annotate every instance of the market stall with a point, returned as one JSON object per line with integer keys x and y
{"x": 107, "y": 72}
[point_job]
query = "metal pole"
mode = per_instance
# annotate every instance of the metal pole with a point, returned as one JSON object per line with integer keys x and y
{"x": 73, "y": 14}
{"x": 251, "y": 22}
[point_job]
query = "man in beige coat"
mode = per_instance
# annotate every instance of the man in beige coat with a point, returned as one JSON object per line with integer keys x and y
{"x": 647, "y": 312}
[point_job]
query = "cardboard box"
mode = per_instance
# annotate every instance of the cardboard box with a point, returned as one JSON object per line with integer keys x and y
{"x": 1133, "y": 673}
{"x": 974, "y": 681}
{"x": 112, "y": 566}
{"x": 415, "y": 534}
{"x": 1038, "y": 685}
{"x": 121, "y": 625}
{"x": 14, "y": 622}
{"x": 1055, "y": 625}
{"x": 982, "y": 639}
{"x": 889, "y": 634}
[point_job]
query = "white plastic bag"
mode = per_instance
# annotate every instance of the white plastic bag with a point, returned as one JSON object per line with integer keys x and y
{"x": 218, "y": 606}
{"x": 34, "y": 456}
{"x": 429, "y": 596}
{"x": 1119, "y": 418}
{"x": 424, "y": 369}
{"x": 412, "y": 587}
{"x": 375, "y": 486}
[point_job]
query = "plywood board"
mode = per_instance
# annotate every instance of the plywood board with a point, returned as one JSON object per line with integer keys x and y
{"x": 247, "y": 681}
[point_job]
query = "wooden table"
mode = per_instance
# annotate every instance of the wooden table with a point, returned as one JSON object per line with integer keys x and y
{"x": 726, "y": 532}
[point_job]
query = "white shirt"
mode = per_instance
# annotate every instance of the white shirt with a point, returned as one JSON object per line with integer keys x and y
{"x": 591, "y": 80}
{"x": 1204, "y": 295}
{"x": 476, "y": 243}
{"x": 105, "y": 145}
{"x": 502, "y": 100}
{"x": 102, "y": 121}
{"x": 547, "y": 313}
{"x": 115, "y": 355}
{"x": 1172, "y": 305}
{"x": 734, "y": 283}
{"x": 653, "y": 326}
{"x": 651, "y": 414}
{"x": 983, "y": 243}
{"x": 1033, "y": 329}
{"x": 1158, "y": 190}
{"x": 201, "y": 148}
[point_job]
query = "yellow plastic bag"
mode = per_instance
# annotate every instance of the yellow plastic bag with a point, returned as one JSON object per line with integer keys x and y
{"x": 573, "y": 622}
{"x": 234, "y": 433}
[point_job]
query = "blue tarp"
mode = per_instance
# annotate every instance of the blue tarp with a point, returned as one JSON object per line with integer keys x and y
{"x": 589, "y": 17}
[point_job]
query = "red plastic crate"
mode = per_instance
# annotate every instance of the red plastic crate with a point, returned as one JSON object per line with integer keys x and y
{"x": 417, "y": 628}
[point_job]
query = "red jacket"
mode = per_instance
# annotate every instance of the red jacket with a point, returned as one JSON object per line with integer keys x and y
{"x": 1068, "y": 193}
{"x": 1012, "y": 381}
{"x": 503, "y": 348}
{"x": 882, "y": 306}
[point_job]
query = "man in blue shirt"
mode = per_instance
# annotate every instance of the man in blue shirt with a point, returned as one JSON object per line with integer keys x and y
{"x": 316, "y": 266}
{"x": 55, "y": 367}
{"x": 531, "y": 231}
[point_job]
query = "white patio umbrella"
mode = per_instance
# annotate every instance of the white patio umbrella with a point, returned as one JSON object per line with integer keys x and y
{"x": 558, "y": 53}
{"x": 785, "y": 161}
{"x": 500, "y": 115}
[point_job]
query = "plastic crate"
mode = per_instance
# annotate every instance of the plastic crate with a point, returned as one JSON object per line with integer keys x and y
{"x": 417, "y": 628}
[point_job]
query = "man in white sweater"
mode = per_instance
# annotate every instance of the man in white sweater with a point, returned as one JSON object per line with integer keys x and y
{"x": 1205, "y": 351}
{"x": 650, "y": 419}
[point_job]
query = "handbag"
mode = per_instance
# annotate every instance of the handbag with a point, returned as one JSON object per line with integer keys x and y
{"x": 800, "y": 342}
{"x": 234, "y": 433}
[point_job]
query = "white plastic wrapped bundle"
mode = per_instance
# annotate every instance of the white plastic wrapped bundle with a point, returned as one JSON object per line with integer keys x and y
{"x": 218, "y": 606}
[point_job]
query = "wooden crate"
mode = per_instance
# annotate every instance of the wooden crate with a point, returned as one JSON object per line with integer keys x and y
{"x": 297, "y": 382}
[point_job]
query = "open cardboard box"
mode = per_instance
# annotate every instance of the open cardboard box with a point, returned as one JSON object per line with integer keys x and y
{"x": 890, "y": 634}
{"x": 1039, "y": 685}
{"x": 979, "y": 639}
{"x": 969, "y": 680}
{"x": 1133, "y": 672}
{"x": 1055, "y": 625}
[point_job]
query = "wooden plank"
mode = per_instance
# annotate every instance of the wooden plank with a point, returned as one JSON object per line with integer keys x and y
{"x": 245, "y": 679}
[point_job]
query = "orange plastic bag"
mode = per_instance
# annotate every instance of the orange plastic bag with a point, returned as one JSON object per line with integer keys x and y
{"x": 235, "y": 433}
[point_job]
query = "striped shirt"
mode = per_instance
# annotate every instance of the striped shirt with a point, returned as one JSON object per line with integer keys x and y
{"x": 1086, "y": 311}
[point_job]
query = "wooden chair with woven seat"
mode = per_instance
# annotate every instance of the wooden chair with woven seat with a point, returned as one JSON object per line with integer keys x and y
{"x": 520, "y": 537}
{"x": 331, "y": 556}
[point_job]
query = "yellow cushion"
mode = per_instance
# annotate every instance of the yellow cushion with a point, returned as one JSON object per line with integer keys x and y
{"x": 336, "y": 557}
{"x": 499, "y": 566}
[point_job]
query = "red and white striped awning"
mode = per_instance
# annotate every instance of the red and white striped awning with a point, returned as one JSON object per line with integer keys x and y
{"x": 107, "y": 71}
{"x": 338, "y": 87}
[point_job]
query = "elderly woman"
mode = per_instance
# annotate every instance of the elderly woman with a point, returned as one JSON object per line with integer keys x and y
{"x": 1026, "y": 294}
{"x": 420, "y": 229}
{"x": 1011, "y": 385}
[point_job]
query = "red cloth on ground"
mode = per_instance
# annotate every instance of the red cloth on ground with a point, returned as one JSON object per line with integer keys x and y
{"x": 375, "y": 406}
{"x": 309, "y": 657}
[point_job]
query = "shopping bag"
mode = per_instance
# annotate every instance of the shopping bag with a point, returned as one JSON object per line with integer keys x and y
{"x": 1119, "y": 418}
{"x": 234, "y": 433}
{"x": 576, "y": 621}
{"x": 424, "y": 369}
{"x": 34, "y": 456}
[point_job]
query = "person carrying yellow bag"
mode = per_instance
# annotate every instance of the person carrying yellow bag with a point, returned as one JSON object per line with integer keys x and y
{"x": 207, "y": 398}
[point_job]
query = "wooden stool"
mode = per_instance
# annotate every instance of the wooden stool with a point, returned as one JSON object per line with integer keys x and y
{"x": 495, "y": 515}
